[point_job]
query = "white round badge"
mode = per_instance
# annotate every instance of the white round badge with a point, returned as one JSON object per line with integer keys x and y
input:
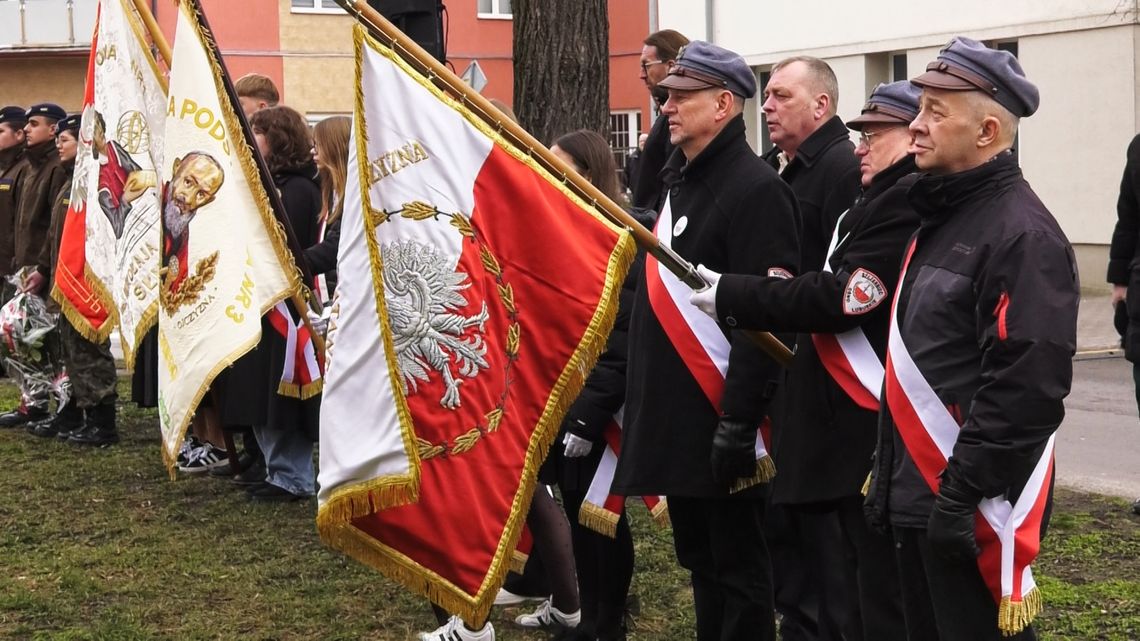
{"x": 680, "y": 226}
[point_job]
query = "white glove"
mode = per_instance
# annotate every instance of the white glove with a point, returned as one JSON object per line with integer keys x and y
{"x": 705, "y": 299}
{"x": 576, "y": 446}
{"x": 320, "y": 322}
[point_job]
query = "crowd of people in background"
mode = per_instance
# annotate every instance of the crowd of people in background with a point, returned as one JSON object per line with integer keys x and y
{"x": 800, "y": 504}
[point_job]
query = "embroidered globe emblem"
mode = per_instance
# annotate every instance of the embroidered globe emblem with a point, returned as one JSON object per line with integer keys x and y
{"x": 424, "y": 296}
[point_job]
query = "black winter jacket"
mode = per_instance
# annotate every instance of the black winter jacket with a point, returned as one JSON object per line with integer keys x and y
{"x": 648, "y": 185}
{"x": 988, "y": 312}
{"x": 1124, "y": 253}
{"x": 741, "y": 219}
{"x": 822, "y": 440}
{"x": 824, "y": 174}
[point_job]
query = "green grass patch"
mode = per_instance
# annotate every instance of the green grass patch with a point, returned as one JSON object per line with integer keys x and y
{"x": 100, "y": 545}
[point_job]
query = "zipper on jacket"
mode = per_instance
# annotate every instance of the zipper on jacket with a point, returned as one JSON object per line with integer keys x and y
{"x": 999, "y": 313}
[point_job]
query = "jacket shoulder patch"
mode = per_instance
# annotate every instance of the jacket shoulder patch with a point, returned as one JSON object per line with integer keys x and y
{"x": 863, "y": 293}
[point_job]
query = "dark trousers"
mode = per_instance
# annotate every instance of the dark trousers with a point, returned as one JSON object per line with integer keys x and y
{"x": 852, "y": 570}
{"x": 721, "y": 543}
{"x": 605, "y": 571}
{"x": 795, "y": 593}
{"x": 1136, "y": 382}
{"x": 945, "y": 600}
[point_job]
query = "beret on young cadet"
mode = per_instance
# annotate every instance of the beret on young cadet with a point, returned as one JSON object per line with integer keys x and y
{"x": 703, "y": 65}
{"x": 13, "y": 115}
{"x": 968, "y": 65}
{"x": 890, "y": 104}
{"x": 70, "y": 123}
{"x": 47, "y": 109}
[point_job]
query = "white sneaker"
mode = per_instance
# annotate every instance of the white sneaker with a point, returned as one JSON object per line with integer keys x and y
{"x": 203, "y": 459}
{"x": 548, "y": 616}
{"x": 454, "y": 630}
{"x": 505, "y": 597}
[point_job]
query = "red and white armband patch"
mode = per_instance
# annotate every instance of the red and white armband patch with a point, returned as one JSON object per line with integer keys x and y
{"x": 779, "y": 272}
{"x": 864, "y": 292}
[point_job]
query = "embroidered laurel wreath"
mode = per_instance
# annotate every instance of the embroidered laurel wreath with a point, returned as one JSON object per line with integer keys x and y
{"x": 425, "y": 301}
{"x": 191, "y": 288}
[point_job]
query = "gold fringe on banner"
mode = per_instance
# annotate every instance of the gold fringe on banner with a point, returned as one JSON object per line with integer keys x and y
{"x": 1013, "y": 617}
{"x": 660, "y": 513}
{"x": 599, "y": 519}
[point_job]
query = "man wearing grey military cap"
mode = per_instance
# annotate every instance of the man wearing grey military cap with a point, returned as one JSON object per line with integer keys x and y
{"x": 842, "y": 310}
{"x": 698, "y": 390}
{"x": 979, "y": 360}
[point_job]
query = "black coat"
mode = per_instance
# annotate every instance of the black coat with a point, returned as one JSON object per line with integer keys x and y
{"x": 1124, "y": 253}
{"x": 824, "y": 174}
{"x": 742, "y": 219}
{"x": 988, "y": 312}
{"x": 648, "y": 185}
{"x": 322, "y": 256}
{"x": 818, "y": 426}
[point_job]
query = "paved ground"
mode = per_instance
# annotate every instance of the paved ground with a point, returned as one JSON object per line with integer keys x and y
{"x": 1098, "y": 445}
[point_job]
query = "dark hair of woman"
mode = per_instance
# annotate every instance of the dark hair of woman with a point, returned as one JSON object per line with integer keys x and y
{"x": 330, "y": 140}
{"x": 287, "y": 135}
{"x": 594, "y": 159}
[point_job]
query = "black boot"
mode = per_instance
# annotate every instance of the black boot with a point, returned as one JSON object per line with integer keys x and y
{"x": 22, "y": 416}
{"x": 98, "y": 427}
{"x": 67, "y": 420}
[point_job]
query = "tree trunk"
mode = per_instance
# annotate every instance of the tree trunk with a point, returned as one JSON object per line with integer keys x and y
{"x": 562, "y": 66}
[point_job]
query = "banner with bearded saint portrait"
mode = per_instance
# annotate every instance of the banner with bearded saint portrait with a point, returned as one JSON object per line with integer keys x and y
{"x": 224, "y": 258}
{"x": 107, "y": 272}
{"x": 475, "y": 292}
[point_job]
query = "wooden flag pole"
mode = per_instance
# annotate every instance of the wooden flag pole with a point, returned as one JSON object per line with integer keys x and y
{"x": 443, "y": 77}
{"x": 156, "y": 36}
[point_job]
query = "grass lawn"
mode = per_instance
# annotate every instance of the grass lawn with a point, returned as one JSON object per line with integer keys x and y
{"x": 100, "y": 545}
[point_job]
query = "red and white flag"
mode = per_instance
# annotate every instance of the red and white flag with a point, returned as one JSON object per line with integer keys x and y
{"x": 475, "y": 292}
{"x": 107, "y": 273}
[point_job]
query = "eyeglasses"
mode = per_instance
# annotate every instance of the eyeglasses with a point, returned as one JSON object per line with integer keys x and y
{"x": 646, "y": 64}
{"x": 866, "y": 136}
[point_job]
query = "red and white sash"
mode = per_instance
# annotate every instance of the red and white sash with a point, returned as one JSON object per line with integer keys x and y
{"x": 848, "y": 357}
{"x": 301, "y": 375}
{"x": 601, "y": 509}
{"x": 1009, "y": 535}
{"x": 697, "y": 338}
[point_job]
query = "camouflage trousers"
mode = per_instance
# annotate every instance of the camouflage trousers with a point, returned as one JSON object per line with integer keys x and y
{"x": 90, "y": 367}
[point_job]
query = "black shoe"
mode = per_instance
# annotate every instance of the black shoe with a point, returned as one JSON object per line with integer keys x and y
{"x": 272, "y": 494}
{"x": 16, "y": 418}
{"x": 1136, "y": 507}
{"x": 67, "y": 420}
{"x": 244, "y": 460}
{"x": 252, "y": 475}
{"x": 98, "y": 426}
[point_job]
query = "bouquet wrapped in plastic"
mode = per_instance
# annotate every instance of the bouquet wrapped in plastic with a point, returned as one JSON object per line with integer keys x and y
{"x": 29, "y": 347}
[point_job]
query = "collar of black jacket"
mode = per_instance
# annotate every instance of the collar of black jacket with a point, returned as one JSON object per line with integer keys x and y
{"x": 831, "y": 132}
{"x": 935, "y": 197}
{"x": 886, "y": 178}
{"x": 10, "y": 156}
{"x": 41, "y": 153}
{"x": 678, "y": 165}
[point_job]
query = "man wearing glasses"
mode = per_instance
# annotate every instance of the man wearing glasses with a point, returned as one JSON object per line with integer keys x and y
{"x": 657, "y": 57}
{"x": 830, "y": 418}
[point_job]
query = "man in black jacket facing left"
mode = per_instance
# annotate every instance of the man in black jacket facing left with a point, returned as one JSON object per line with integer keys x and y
{"x": 831, "y": 409}
{"x": 980, "y": 359}
{"x": 698, "y": 391}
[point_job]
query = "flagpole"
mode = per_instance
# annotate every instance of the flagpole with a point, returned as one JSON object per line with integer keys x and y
{"x": 156, "y": 35}
{"x": 437, "y": 72}
{"x": 270, "y": 189}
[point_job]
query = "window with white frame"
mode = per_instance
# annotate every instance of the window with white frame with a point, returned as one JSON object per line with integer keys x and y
{"x": 625, "y": 126}
{"x": 316, "y": 6}
{"x": 495, "y": 9}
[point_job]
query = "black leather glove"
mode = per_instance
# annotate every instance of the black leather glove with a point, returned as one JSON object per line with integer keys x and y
{"x": 951, "y": 529}
{"x": 733, "y": 449}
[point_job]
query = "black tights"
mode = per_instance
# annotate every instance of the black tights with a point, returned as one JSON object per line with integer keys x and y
{"x": 555, "y": 549}
{"x": 605, "y": 571}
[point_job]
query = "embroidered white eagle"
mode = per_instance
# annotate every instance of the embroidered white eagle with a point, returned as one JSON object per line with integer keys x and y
{"x": 423, "y": 295}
